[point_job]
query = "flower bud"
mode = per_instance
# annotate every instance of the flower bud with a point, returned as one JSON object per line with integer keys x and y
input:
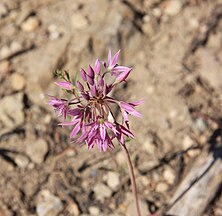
{"x": 97, "y": 67}
{"x": 83, "y": 74}
{"x": 90, "y": 80}
{"x": 91, "y": 72}
{"x": 79, "y": 86}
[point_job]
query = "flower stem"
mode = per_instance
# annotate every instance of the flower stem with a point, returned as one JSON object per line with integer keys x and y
{"x": 132, "y": 178}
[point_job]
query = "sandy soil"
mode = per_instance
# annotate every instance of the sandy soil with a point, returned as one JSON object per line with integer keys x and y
{"x": 175, "y": 49}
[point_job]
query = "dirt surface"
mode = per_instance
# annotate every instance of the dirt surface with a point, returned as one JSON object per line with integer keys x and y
{"x": 175, "y": 49}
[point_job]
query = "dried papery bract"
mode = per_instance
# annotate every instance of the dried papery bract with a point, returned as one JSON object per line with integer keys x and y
{"x": 89, "y": 109}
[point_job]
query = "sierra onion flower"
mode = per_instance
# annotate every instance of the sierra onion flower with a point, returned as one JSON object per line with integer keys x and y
{"x": 90, "y": 107}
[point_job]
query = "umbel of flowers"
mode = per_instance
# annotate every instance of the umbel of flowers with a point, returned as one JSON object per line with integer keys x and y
{"x": 89, "y": 111}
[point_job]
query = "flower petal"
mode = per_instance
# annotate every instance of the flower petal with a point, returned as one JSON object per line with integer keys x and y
{"x": 97, "y": 67}
{"x": 102, "y": 131}
{"x": 64, "y": 85}
{"x": 115, "y": 59}
{"x": 75, "y": 130}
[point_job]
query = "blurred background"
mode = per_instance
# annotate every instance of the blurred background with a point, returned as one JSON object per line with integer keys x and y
{"x": 175, "y": 49}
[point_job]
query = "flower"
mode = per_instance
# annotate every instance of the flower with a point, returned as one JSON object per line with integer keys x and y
{"x": 89, "y": 111}
{"x": 121, "y": 72}
{"x": 60, "y": 106}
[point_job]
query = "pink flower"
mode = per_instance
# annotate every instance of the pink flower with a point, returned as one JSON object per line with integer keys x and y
{"x": 60, "y": 105}
{"x": 88, "y": 113}
{"x": 121, "y": 72}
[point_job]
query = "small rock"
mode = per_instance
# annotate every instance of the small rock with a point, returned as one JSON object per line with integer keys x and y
{"x": 18, "y": 82}
{"x": 113, "y": 180}
{"x": 148, "y": 145}
{"x": 169, "y": 175}
{"x": 93, "y": 210}
{"x": 187, "y": 142}
{"x": 4, "y": 52}
{"x": 15, "y": 47}
{"x": 131, "y": 208}
{"x": 173, "y": 114}
{"x": 31, "y": 24}
{"x": 194, "y": 23}
{"x": 54, "y": 35}
{"x": 37, "y": 150}
{"x": 50, "y": 206}
{"x": 79, "y": 22}
{"x": 120, "y": 158}
{"x": 22, "y": 161}
{"x": 3, "y": 10}
{"x": 162, "y": 187}
{"x": 157, "y": 12}
{"x": 4, "y": 67}
{"x": 12, "y": 115}
{"x": 53, "y": 32}
{"x": 200, "y": 124}
{"x": 193, "y": 153}
{"x": 102, "y": 191}
{"x": 173, "y": 7}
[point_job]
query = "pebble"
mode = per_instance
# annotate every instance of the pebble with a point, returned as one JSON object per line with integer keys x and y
{"x": 4, "y": 67}
{"x": 4, "y": 52}
{"x": 15, "y": 46}
{"x": 37, "y": 150}
{"x": 30, "y": 25}
{"x": 148, "y": 146}
{"x": 161, "y": 187}
{"x": 3, "y": 10}
{"x": 53, "y": 32}
{"x": 18, "y": 81}
{"x": 200, "y": 124}
{"x": 93, "y": 210}
{"x": 120, "y": 158}
{"x": 113, "y": 180}
{"x": 193, "y": 153}
{"x": 187, "y": 142}
{"x": 131, "y": 208}
{"x": 50, "y": 206}
{"x": 157, "y": 12}
{"x": 8, "y": 110}
{"x": 79, "y": 21}
{"x": 173, "y": 7}
{"x": 22, "y": 161}
{"x": 169, "y": 175}
{"x": 102, "y": 191}
{"x": 194, "y": 23}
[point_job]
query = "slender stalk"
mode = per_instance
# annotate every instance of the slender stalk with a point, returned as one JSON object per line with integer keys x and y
{"x": 132, "y": 178}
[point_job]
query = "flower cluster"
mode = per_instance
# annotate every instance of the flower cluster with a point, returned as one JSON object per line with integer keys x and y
{"x": 89, "y": 111}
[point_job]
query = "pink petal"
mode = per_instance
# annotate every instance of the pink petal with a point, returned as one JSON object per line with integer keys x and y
{"x": 65, "y": 85}
{"x": 90, "y": 72}
{"x": 127, "y": 107}
{"x": 125, "y": 116}
{"x": 79, "y": 86}
{"x": 69, "y": 123}
{"x": 136, "y": 103}
{"x": 122, "y": 77}
{"x": 102, "y": 132}
{"x": 115, "y": 59}
{"x": 126, "y": 132}
{"x": 90, "y": 80}
{"x": 120, "y": 69}
{"x": 97, "y": 67}
{"x": 109, "y": 58}
{"x": 75, "y": 130}
{"x": 83, "y": 74}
